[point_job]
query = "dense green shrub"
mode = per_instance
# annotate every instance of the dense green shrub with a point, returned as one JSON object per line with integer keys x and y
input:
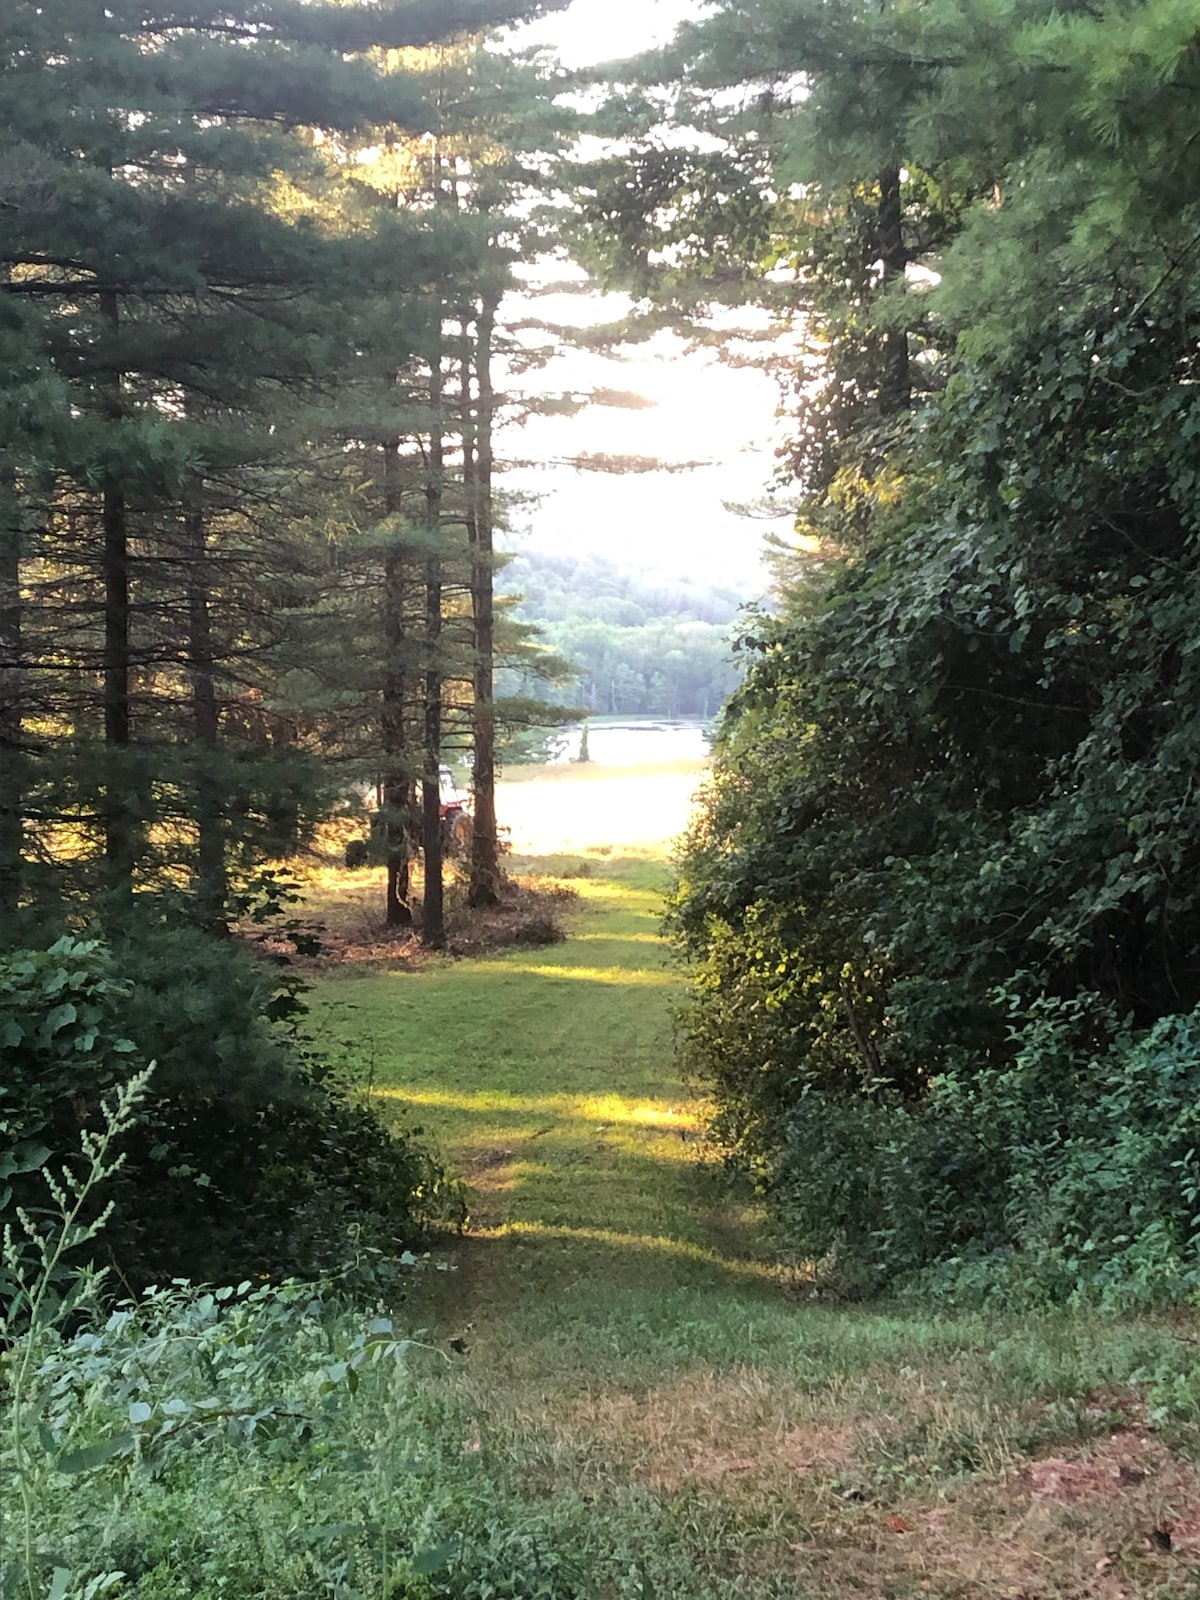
{"x": 62, "y": 1048}
{"x": 249, "y": 1157}
{"x": 1028, "y": 1149}
{"x": 942, "y": 899}
{"x": 1007, "y": 1189}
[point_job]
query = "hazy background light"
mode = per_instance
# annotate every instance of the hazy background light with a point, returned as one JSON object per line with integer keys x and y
{"x": 592, "y": 31}
{"x": 667, "y": 523}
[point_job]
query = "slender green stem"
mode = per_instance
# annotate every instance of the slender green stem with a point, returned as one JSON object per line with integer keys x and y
{"x": 118, "y": 1118}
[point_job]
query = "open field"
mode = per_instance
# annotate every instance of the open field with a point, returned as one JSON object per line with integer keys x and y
{"x": 551, "y": 810}
{"x": 660, "y": 1410}
{"x": 554, "y": 820}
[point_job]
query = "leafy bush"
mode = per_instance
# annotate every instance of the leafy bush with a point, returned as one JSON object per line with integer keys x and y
{"x": 249, "y": 1157}
{"x": 227, "y": 1442}
{"x": 1105, "y": 1199}
{"x": 1056, "y": 1179}
{"x": 62, "y": 1048}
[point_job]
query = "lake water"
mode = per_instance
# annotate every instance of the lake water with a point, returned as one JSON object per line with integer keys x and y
{"x": 638, "y": 744}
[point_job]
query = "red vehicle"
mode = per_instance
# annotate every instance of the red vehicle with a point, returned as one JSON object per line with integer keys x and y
{"x": 456, "y": 827}
{"x": 456, "y": 819}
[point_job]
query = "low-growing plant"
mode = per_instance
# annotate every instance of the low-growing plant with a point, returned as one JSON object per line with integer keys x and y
{"x": 251, "y": 1157}
{"x": 34, "y": 1256}
{"x": 257, "y": 1440}
{"x": 1068, "y": 1175}
{"x": 63, "y": 1050}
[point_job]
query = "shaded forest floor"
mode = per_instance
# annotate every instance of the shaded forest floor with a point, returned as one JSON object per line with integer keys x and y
{"x": 652, "y": 1396}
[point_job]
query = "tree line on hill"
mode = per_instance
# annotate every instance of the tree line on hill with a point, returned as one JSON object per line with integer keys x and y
{"x": 637, "y": 645}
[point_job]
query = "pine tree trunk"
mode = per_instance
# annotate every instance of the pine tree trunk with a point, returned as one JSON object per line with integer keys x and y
{"x": 397, "y": 782}
{"x": 397, "y": 786}
{"x": 119, "y": 847}
{"x": 12, "y": 798}
{"x": 895, "y": 379}
{"x": 212, "y": 877}
{"x": 486, "y": 876}
{"x": 433, "y": 913}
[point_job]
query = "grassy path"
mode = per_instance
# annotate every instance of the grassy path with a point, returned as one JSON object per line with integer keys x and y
{"x": 646, "y": 1408}
{"x": 546, "y": 1076}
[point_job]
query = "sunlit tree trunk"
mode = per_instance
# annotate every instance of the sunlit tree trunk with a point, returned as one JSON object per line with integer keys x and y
{"x": 485, "y": 846}
{"x": 433, "y": 916}
{"x": 397, "y": 786}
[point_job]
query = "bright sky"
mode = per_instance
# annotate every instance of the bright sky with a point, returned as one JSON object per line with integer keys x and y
{"x": 673, "y": 523}
{"x": 604, "y": 30}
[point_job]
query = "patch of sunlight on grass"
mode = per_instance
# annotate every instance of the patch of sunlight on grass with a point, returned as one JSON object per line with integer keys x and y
{"x": 621, "y": 977}
{"x": 682, "y": 1249}
{"x": 624, "y": 938}
{"x": 646, "y": 1113}
{"x": 509, "y": 1176}
{"x": 576, "y": 1108}
{"x": 609, "y": 889}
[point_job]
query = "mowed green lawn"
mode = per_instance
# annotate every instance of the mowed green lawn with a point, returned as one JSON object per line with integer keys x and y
{"x": 665, "y": 1412}
{"x": 547, "y": 1077}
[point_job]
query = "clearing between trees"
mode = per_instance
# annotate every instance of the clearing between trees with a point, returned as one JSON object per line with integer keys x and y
{"x": 647, "y": 1402}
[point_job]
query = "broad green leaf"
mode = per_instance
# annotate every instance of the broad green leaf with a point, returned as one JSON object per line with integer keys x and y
{"x": 25, "y": 1158}
{"x": 94, "y": 1455}
{"x": 435, "y": 1558}
{"x": 59, "y": 1017}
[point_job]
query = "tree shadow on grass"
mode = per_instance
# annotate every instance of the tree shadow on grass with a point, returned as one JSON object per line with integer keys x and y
{"x": 562, "y": 1209}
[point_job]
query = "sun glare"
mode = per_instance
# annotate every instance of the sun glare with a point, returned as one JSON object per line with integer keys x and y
{"x": 592, "y": 31}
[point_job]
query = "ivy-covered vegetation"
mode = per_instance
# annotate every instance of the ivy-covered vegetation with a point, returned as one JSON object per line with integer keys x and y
{"x": 941, "y": 897}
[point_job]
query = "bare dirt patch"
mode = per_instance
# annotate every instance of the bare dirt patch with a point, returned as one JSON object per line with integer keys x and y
{"x": 1129, "y": 1478}
{"x": 731, "y": 1431}
{"x": 1118, "y": 1519}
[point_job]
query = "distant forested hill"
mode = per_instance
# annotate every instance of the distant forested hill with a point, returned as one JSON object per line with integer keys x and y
{"x": 643, "y": 646}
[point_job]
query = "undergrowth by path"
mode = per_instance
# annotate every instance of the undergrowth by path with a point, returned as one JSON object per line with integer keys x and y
{"x": 665, "y": 1413}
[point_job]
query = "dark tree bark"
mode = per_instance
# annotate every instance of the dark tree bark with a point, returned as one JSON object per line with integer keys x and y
{"x": 433, "y": 913}
{"x": 486, "y": 877}
{"x": 212, "y": 876}
{"x": 895, "y": 378}
{"x": 397, "y": 786}
{"x": 12, "y": 757}
{"x": 120, "y": 850}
